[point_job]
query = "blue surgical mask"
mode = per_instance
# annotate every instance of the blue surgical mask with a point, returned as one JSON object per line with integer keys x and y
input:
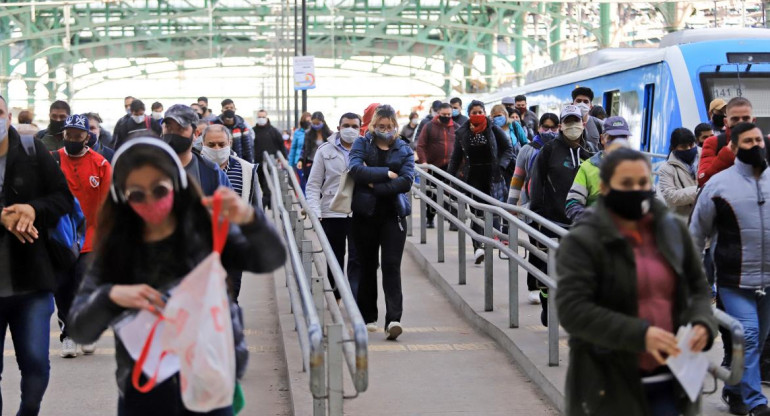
{"x": 686, "y": 156}
{"x": 548, "y": 136}
{"x": 318, "y": 126}
{"x": 455, "y": 112}
{"x": 384, "y": 136}
{"x": 500, "y": 121}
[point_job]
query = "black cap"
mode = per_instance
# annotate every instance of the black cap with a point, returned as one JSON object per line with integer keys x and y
{"x": 182, "y": 114}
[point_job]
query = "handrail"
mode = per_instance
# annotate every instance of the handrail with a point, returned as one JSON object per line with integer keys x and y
{"x": 734, "y": 374}
{"x": 357, "y": 362}
{"x": 312, "y": 321}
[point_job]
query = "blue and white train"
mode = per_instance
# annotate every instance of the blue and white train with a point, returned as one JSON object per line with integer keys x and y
{"x": 660, "y": 89}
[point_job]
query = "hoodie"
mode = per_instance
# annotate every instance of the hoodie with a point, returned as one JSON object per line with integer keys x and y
{"x": 368, "y": 115}
{"x": 522, "y": 173}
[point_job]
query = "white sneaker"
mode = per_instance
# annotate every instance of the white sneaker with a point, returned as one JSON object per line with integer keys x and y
{"x": 479, "y": 255}
{"x": 394, "y": 330}
{"x": 371, "y": 327}
{"x": 534, "y": 297}
{"x": 88, "y": 349}
{"x": 68, "y": 348}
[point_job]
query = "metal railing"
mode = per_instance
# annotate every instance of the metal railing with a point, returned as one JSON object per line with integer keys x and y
{"x": 459, "y": 196}
{"x": 289, "y": 207}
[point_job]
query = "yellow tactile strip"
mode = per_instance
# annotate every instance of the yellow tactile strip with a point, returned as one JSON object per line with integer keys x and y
{"x": 478, "y": 346}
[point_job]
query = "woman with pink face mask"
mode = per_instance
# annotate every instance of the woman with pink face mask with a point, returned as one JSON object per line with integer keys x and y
{"x": 153, "y": 230}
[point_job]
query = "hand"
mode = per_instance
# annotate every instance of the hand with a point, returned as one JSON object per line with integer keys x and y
{"x": 658, "y": 342}
{"x": 19, "y": 220}
{"x": 27, "y": 216}
{"x": 233, "y": 208}
{"x": 700, "y": 338}
{"x": 371, "y": 185}
{"x": 137, "y": 297}
{"x": 299, "y": 165}
{"x": 392, "y": 175}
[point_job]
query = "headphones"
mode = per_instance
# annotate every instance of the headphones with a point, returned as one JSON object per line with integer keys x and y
{"x": 180, "y": 183}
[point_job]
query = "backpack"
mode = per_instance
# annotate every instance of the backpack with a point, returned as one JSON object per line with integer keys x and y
{"x": 721, "y": 141}
{"x": 67, "y": 237}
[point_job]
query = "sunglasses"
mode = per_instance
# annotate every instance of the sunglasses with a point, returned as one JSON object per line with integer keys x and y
{"x": 139, "y": 196}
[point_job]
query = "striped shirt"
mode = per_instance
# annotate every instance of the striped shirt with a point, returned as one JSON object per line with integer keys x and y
{"x": 234, "y": 172}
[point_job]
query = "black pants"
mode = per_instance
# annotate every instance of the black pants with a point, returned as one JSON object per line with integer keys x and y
{"x": 372, "y": 234}
{"x": 266, "y": 194}
{"x": 165, "y": 399}
{"x": 431, "y": 212}
{"x": 541, "y": 265}
{"x": 338, "y": 231}
{"x": 234, "y": 279}
{"x": 67, "y": 284}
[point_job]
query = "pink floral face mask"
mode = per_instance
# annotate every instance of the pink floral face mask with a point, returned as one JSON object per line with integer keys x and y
{"x": 155, "y": 212}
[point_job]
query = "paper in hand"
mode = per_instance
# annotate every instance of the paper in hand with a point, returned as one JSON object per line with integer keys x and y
{"x": 688, "y": 367}
{"x": 133, "y": 331}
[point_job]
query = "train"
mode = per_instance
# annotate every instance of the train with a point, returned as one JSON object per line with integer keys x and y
{"x": 660, "y": 89}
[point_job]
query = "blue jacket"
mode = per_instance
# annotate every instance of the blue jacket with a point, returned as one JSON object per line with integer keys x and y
{"x": 364, "y": 168}
{"x": 297, "y": 143}
{"x": 732, "y": 206}
{"x": 211, "y": 176}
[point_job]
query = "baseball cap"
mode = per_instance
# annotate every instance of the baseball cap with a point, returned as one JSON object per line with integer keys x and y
{"x": 616, "y": 126}
{"x": 77, "y": 121}
{"x": 182, "y": 114}
{"x": 717, "y": 104}
{"x": 571, "y": 110}
{"x": 509, "y": 100}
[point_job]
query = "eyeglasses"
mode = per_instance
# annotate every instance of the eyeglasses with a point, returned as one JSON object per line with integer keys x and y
{"x": 546, "y": 128}
{"x": 139, "y": 196}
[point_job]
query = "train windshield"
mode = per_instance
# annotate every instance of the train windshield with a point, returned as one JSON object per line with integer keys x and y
{"x": 753, "y": 86}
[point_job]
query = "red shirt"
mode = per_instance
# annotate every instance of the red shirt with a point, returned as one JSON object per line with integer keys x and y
{"x": 88, "y": 178}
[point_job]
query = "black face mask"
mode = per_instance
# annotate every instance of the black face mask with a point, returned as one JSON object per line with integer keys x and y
{"x": 180, "y": 144}
{"x": 55, "y": 127}
{"x": 755, "y": 156}
{"x": 228, "y": 114}
{"x": 304, "y": 124}
{"x": 631, "y": 205}
{"x": 718, "y": 120}
{"x": 444, "y": 119}
{"x": 203, "y": 110}
{"x": 73, "y": 148}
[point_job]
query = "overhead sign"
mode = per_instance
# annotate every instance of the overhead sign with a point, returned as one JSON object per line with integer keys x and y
{"x": 304, "y": 72}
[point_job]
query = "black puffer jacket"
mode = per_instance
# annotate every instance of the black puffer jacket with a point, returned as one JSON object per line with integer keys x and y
{"x": 255, "y": 247}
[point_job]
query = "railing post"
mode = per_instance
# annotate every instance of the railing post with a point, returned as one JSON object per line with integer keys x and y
{"x": 488, "y": 262}
{"x": 410, "y": 217}
{"x": 317, "y": 288}
{"x": 284, "y": 189}
{"x": 513, "y": 277}
{"x": 440, "y": 224}
{"x": 306, "y": 248}
{"x": 298, "y": 225}
{"x": 335, "y": 368}
{"x": 553, "y": 319}
{"x": 423, "y": 211}
{"x": 461, "y": 267}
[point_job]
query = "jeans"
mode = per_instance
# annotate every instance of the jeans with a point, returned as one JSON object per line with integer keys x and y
{"x": 29, "y": 319}
{"x": 164, "y": 399}
{"x": 301, "y": 178}
{"x": 68, "y": 283}
{"x": 753, "y": 312}
{"x": 338, "y": 231}
{"x": 371, "y": 235}
{"x": 234, "y": 280}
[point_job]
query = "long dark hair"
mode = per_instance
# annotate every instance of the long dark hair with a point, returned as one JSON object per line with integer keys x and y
{"x": 310, "y": 136}
{"x": 119, "y": 232}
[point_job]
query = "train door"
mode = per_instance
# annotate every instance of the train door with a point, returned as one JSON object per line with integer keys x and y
{"x": 647, "y": 111}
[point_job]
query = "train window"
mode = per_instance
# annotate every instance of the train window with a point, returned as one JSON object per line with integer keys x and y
{"x": 752, "y": 86}
{"x": 649, "y": 94}
{"x": 612, "y": 103}
{"x": 535, "y": 109}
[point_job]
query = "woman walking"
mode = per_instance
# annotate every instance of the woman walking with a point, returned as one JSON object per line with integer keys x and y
{"x": 678, "y": 182}
{"x": 629, "y": 277}
{"x": 382, "y": 165}
{"x": 153, "y": 230}
{"x": 314, "y": 137}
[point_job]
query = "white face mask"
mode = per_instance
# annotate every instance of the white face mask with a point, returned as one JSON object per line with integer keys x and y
{"x": 415, "y": 120}
{"x": 261, "y": 121}
{"x": 218, "y": 156}
{"x": 3, "y": 129}
{"x": 349, "y": 134}
{"x": 573, "y": 131}
{"x": 138, "y": 119}
{"x": 157, "y": 115}
{"x": 584, "y": 108}
{"x": 285, "y": 137}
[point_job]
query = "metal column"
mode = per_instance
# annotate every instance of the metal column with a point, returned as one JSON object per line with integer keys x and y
{"x": 488, "y": 262}
{"x": 334, "y": 360}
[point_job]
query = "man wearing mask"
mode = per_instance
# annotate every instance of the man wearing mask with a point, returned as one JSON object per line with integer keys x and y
{"x": 586, "y": 186}
{"x": 435, "y": 146}
{"x": 702, "y": 132}
{"x": 266, "y": 139}
{"x": 731, "y": 209}
{"x": 528, "y": 118}
{"x": 242, "y": 136}
{"x": 178, "y": 126}
{"x": 88, "y": 176}
{"x": 136, "y": 121}
{"x": 582, "y": 97}
{"x": 457, "y": 112}
{"x": 157, "y": 111}
{"x": 554, "y": 172}
{"x": 27, "y": 276}
{"x": 203, "y": 103}
{"x": 96, "y": 133}
{"x": 428, "y": 118}
{"x": 717, "y": 114}
{"x": 717, "y": 155}
{"x": 53, "y": 136}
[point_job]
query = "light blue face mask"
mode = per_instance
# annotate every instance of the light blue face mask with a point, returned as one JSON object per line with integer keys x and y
{"x": 499, "y": 121}
{"x": 384, "y": 136}
{"x": 3, "y": 129}
{"x": 455, "y": 112}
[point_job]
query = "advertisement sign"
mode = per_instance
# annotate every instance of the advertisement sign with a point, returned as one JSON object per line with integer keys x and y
{"x": 304, "y": 73}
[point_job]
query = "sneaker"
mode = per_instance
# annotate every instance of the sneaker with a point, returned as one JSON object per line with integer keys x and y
{"x": 431, "y": 223}
{"x": 479, "y": 255}
{"x": 371, "y": 327}
{"x": 761, "y": 410}
{"x": 88, "y": 349}
{"x": 68, "y": 348}
{"x": 394, "y": 330}
{"x": 534, "y": 297}
{"x": 735, "y": 403}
